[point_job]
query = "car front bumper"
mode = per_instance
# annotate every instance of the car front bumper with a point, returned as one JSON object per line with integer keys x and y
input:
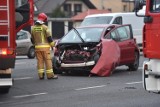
{"x": 84, "y": 64}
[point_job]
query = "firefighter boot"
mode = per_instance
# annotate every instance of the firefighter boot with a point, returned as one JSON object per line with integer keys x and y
{"x": 50, "y": 74}
{"x": 41, "y": 76}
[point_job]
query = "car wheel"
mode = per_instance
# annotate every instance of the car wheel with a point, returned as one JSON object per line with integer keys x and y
{"x": 31, "y": 53}
{"x": 55, "y": 66}
{"x": 134, "y": 66}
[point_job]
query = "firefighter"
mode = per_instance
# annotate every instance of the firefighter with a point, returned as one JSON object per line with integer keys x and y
{"x": 42, "y": 40}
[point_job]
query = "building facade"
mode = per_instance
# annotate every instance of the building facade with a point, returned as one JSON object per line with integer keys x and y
{"x": 114, "y": 5}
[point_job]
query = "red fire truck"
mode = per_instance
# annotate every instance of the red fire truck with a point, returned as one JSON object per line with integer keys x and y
{"x": 151, "y": 41}
{"x": 12, "y": 19}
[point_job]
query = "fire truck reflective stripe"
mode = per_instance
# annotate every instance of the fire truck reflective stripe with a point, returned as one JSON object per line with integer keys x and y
{"x": 49, "y": 71}
{"x": 4, "y": 35}
{"x": 42, "y": 46}
{"x": 6, "y": 22}
{"x": 3, "y": 22}
{"x": 6, "y": 82}
{"x": 3, "y": 7}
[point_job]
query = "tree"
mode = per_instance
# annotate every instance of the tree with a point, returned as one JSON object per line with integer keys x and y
{"x": 57, "y": 12}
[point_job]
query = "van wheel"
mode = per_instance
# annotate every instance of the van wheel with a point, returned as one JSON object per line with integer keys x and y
{"x": 31, "y": 53}
{"x": 134, "y": 66}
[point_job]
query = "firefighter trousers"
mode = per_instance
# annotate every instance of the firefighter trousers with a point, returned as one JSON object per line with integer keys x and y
{"x": 44, "y": 61}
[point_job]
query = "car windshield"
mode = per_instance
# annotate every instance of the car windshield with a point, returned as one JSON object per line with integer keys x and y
{"x": 83, "y": 34}
{"x": 96, "y": 20}
{"x": 155, "y": 6}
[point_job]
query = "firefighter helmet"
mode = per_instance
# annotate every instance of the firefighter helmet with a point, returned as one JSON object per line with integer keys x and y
{"x": 42, "y": 17}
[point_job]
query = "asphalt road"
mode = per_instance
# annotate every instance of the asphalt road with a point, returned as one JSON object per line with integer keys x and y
{"x": 122, "y": 89}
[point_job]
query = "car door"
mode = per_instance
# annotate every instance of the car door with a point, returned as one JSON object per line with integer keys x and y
{"x": 126, "y": 43}
{"x": 24, "y": 14}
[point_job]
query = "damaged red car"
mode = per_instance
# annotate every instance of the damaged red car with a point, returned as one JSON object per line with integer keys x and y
{"x": 96, "y": 49}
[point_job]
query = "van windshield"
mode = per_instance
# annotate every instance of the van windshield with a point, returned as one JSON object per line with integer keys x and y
{"x": 96, "y": 20}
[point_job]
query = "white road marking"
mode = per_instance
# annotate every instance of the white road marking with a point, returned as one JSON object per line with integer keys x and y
{"x": 20, "y": 63}
{"x": 134, "y": 82}
{"x": 90, "y": 87}
{"x": 23, "y": 96}
{"x": 30, "y": 95}
{"x": 24, "y": 78}
{"x": 6, "y": 102}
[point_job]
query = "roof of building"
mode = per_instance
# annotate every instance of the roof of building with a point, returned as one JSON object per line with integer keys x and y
{"x": 47, "y": 6}
{"x": 82, "y": 15}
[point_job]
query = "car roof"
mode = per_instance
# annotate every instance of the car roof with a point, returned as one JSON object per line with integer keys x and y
{"x": 110, "y": 14}
{"x": 99, "y": 25}
{"x": 23, "y": 31}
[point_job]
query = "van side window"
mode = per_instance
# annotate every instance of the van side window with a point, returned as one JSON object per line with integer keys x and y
{"x": 123, "y": 33}
{"x": 118, "y": 20}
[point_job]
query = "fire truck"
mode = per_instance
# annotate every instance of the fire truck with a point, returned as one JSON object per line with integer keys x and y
{"x": 151, "y": 41}
{"x": 12, "y": 19}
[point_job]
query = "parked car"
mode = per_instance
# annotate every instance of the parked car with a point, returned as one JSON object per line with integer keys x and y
{"x": 97, "y": 49}
{"x": 24, "y": 45}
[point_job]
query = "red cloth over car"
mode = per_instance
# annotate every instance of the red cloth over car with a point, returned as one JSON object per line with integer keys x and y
{"x": 108, "y": 60}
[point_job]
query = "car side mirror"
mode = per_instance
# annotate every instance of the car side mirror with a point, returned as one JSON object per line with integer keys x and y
{"x": 139, "y": 5}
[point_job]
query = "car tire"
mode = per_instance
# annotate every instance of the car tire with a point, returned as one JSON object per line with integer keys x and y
{"x": 31, "y": 53}
{"x": 134, "y": 66}
{"x": 55, "y": 66}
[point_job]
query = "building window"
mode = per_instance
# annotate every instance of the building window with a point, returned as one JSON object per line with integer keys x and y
{"x": 124, "y": 8}
{"x": 77, "y": 8}
{"x": 67, "y": 7}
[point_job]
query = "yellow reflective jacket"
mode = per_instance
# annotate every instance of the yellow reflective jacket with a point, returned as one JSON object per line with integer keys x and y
{"x": 39, "y": 35}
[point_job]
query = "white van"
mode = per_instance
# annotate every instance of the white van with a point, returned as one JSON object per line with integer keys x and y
{"x": 118, "y": 18}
